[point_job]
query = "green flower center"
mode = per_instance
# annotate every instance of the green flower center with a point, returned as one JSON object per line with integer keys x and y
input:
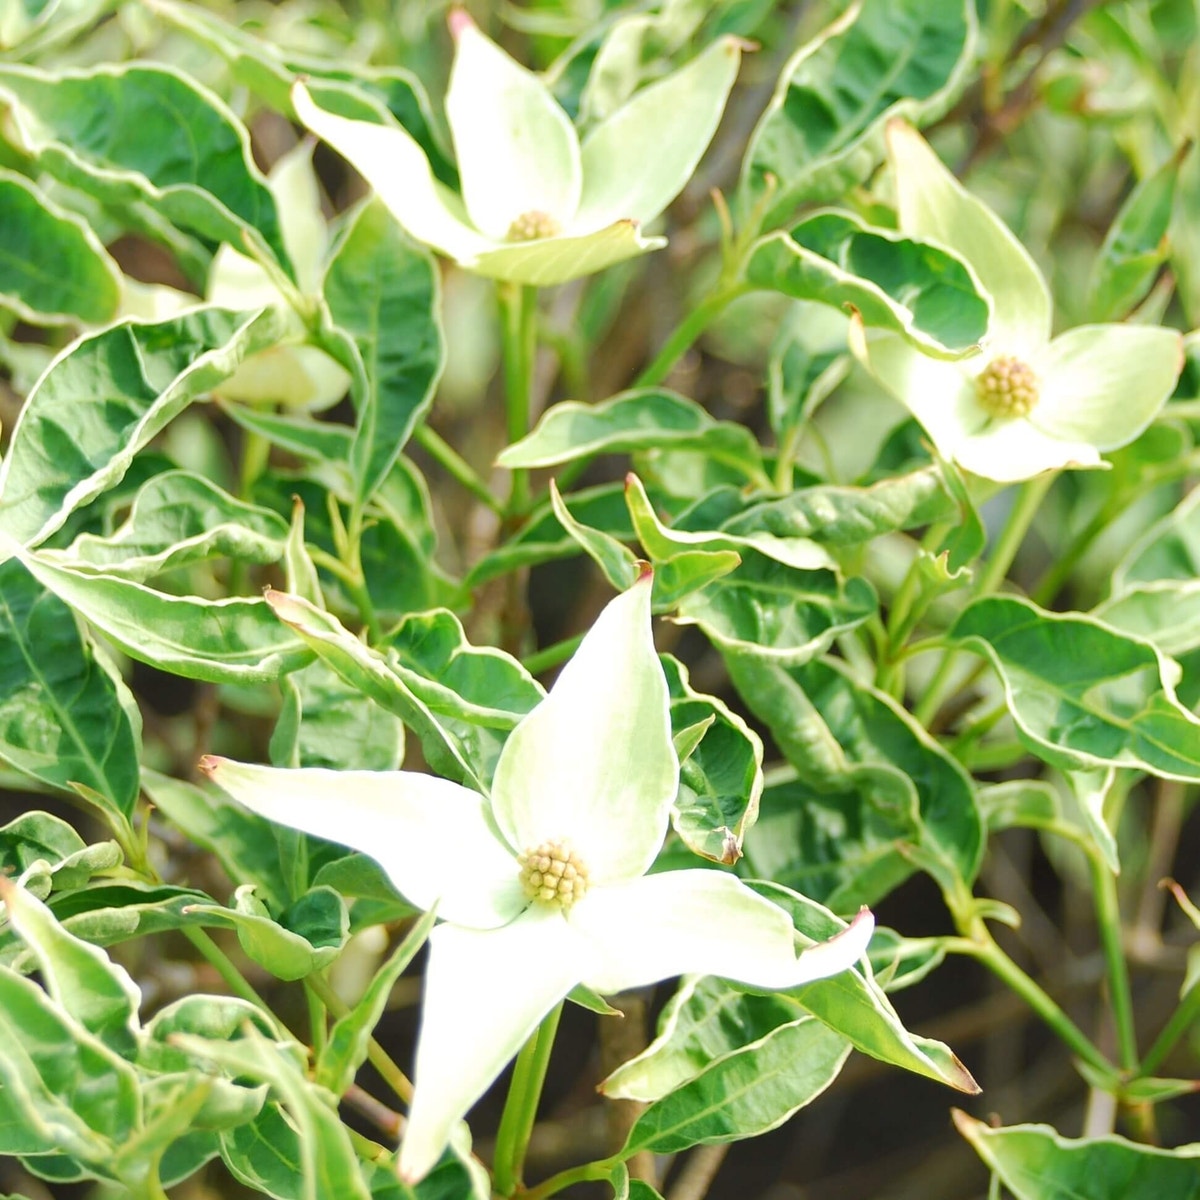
{"x": 532, "y": 226}
{"x": 553, "y": 873}
{"x": 1007, "y": 387}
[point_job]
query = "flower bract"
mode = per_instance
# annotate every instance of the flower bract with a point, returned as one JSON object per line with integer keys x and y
{"x": 1027, "y": 403}
{"x": 543, "y": 885}
{"x": 537, "y": 206}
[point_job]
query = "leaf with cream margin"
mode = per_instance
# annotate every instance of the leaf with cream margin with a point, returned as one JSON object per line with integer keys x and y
{"x": 84, "y": 285}
{"x": 378, "y": 280}
{"x": 177, "y": 518}
{"x": 120, "y": 387}
{"x": 720, "y": 777}
{"x": 892, "y": 281}
{"x": 643, "y": 419}
{"x": 225, "y": 641}
{"x": 1081, "y": 694}
{"x": 1035, "y": 1162}
{"x": 167, "y": 132}
{"x": 65, "y": 717}
{"x": 823, "y": 130}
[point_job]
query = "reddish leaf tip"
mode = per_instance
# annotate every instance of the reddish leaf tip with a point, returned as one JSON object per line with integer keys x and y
{"x": 459, "y": 21}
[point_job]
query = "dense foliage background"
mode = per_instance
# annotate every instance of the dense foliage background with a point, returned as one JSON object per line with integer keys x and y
{"x": 966, "y": 701}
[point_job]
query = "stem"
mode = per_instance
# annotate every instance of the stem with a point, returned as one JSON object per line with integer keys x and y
{"x": 1180, "y": 1022}
{"x": 1025, "y": 506}
{"x": 601, "y": 1169}
{"x": 520, "y": 1109}
{"x": 235, "y": 981}
{"x": 1059, "y": 571}
{"x": 551, "y": 656}
{"x": 983, "y": 947}
{"x": 376, "y": 1054}
{"x": 520, "y": 350}
{"x": 686, "y": 332}
{"x": 316, "y": 1018}
{"x": 455, "y": 465}
{"x": 1108, "y": 917}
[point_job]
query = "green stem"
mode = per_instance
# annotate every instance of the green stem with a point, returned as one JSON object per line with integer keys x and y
{"x": 985, "y": 949}
{"x": 455, "y": 465}
{"x": 235, "y": 981}
{"x": 551, "y": 656}
{"x": 316, "y": 1018}
{"x": 1180, "y": 1022}
{"x": 601, "y": 1169}
{"x": 520, "y": 353}
{"x": 376, "y": 1054}
{"x": 1108, "y": 917}
{"x": 686, "y": 332}
{"x": 1028, "y": 500}
{"x": 520, "y": 1109}
{"x": 1059, "y": 571}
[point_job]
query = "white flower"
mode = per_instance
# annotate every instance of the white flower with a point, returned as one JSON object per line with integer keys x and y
{"x": 544, "y": 886}
{"x": 1027, "y": 403}
{"x": 536, "y": 206}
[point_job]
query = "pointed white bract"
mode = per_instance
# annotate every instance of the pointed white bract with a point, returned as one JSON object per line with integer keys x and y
{"x": 1097, "y": 387}
{"x": 591, "y": 769}
{"x": 537, "y": 207}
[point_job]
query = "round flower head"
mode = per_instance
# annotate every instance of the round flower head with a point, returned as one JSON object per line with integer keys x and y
{"x": 1026, "y": 403}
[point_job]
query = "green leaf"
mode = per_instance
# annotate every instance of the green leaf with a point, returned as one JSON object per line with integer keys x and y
{"x": 493, "y": 687}
{"x": 1019, "y": 803}
{"x": 1169, "y": 549}
{"x": 459, "y": 743}
{"x": 872, "y": 788}
{"x": 720, "y": 779}
{"x": 103, "y": 399}
{"x": 64, "y": 717}
{"x": 328, "y": 1164}
{"x": 60, "y": 1088}
{"x": 1165, "y": 612}
{"x": 893, "y": 282}
{"x": 307, "y": 937}
{"x": 84, "y": 283}
{"x": 178, "y": 518}
{"x": 164, "y": 133}
{"x": 645, "y": 419}
{"x": 618, "y": 563}
{"x": 746, "y": 1092}
{"x": 37, "y": 837}
{"x": 1081, "y": 694}
{"x": 324, "y": 722}
{"x": 846, "y": 516}
{"x": 775, "y": 611}
{"x": 346, "y": 1049}
{"x": 824, "y": 128}
{"x": 89, "y": 989}
{"x": 1034, "y": 1162}
{"x": 1135, "y": 246}
{"x": 542, "y": 537}
{"x": 243, "y": 844}
{"x": 226, "y": 641}
{"x": 383, "y": 291}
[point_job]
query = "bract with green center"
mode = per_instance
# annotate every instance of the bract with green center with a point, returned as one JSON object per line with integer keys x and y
{"x": 1026, "y": 403}
{"x": 537, "y": 207}
{"x": 587, "y": 779}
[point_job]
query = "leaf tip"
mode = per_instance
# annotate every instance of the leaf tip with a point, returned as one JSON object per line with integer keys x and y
{"x": 209, "y": 764}
{"x": 967, "y": 1125}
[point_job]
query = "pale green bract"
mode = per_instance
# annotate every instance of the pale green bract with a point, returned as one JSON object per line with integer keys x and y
{"x": 537, "y": 207}
{"x": 1096, "y": 387}
{"x": 592, "y": 766}
{"x": 292, "y": 373}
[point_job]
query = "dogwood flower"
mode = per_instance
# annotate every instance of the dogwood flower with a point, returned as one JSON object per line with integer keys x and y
{"x": 543, "y": 886}
{"x": 1026, "y": 403}
{"x": 536, "y": 206}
